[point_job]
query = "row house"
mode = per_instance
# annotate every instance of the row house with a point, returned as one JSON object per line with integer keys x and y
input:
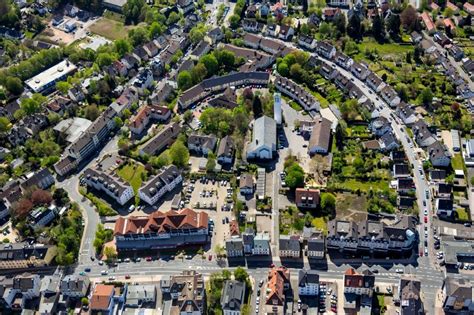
{"x": 406, "y": 113}
{"x": 145, "y": 115}
{"x": 439, "y": 155}
{"x": 289, "y": 246}
{"x": 360, "y": 70}
{"x": 343, "y": 60}
{"x": 143, "y": 81}
{"x": 374, "y": 238}
{"x": 422, "y": 134}
{"x": 307, "y": 42}
{"x": 112, "y": 185}
{"x": 308, "y": 282}
{"x": 296, "y": 92}
{"x": 278, "y": 283}
{"x": 209, "y": 86}
{"x": 165, "y": 181}
{"x": 374, "y": 82}
{"x": 326, "y": 50}
{"x": 252, "y": 26}
{"x": 380, "y": 126}
{"x": 328, "y": 72}
{"x": 390, "y": 96}
{"x": 359, "y": 283}
{"x": 187, "y": 291}
{"x": 162, "y": 230}
{"x": 234, "y": 247}
{"x": 165, "y": 137}
{"x": 74, "y": 286}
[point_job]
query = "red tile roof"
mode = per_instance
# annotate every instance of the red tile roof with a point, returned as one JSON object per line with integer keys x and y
{"x": 162, "y": 222}
{"x": 275, "y": 285}
{"x": 145, "y": 111}
{"x": 234, "y": 228}
{"x": 427, "y": 21}
{"x": 101, "y": 296}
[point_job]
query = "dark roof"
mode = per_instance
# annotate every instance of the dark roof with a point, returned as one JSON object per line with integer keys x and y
{"x": 290, "y": 243}
{"x": 307, "y": 277}
{"x": 162, "y": 179}
{"x": 401, "y": 169}
{"x": 162, "y": 139}
{"x": 437, "y": 174}
{"x": 226, "y": 147}
{"x": 316, "y": 244}
{"x": 444, "y": 188}
{"x": 233, "y": 295}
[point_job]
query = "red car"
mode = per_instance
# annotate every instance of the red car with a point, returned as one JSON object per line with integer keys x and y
{"x": 210, "y": 257}
{"x": 148, "y": 259}
{"x": 421, "y": 253}
{"x": 272, "y": 265}
{"x": 127, "y": 276}
{"x": 426, "y": 219}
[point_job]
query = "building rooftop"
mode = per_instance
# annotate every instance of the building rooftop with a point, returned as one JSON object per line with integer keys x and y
{"x": 40, "y": 81}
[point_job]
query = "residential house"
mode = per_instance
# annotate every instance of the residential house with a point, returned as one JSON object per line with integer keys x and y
{"x": 202, "y": 144}
{"x": 171, "y": 229}
{"x": 401, "y": 170}
{"x": 453, "y": 7}
{"x": 388, "y": 142}
{"x": 225, "y": 151}
{"x": 443, "y": 190}
{"x": 375, "y": 82}
{"x": 320, "y": 140}
{"x": 458, "y": 294}
{"x": 325, "y": 50}
{"x": 390, "y": 96}
{"x": 406, "y": 113}
{"x": 252, "y": 26}
{"x": 308, "y": 282}
{"x": 187, "y": 291}
{"x": 233, "y": 297}
{"x": 358, "y": 290}
{"x": 289, "y": 246}
{"x": 441, "y": 39}
{"x": 343, "y": 60}
{"x": 371, "y": 237}
{"x": 330, "y": 13}
{"x": 151, "y": 48}
{"x": 165, "y": 137}
{"x": 278, "y": 283}
{"x": 416, "y": 37}
{"x": 405, "y": 185}
{"x": 422, "y": 134}
{"x": 380, "y": 125}
{"x": 328, "y": 72}
{"x": 145, "y": 115}
{"x": 316, "y": 246}
{"x": 263, "y": 145}
{"x": 286, "y": 32}
{"x": 307, "y": 198}
{"x": 112, "y": 185}
{"x": 360, "y": 70}
{"x": 74, "y": 286}
{"x": 261, "y": 245}
{"x": 246, "y": 184}
{"x": 296, "y": 92}
{"x": 41, "y": 217}
{"x": 157, "y": 186}
{"x": 234, "y": 247}
{"x": 314, "y": 20}
{"x": 469, "y": 8}
{"x": 409, "y": 293}
{"x": 456, "y": 52}
{"x": 201, "y": 49}
{"x": 428, "y": 23}
{"x": 251, "y": 11}
{"x": 101, "y": 300}
{"x": 247, "y": 238}
{"x": 215, "y": 35}
{"x": 307, "y": 42}
{"x": 439, "y": 155}
{"x": 444, "y": 207}
{"x": 140, "y": 295}
{"x": 41, "y": 179}
{"x": 185, "y": 6}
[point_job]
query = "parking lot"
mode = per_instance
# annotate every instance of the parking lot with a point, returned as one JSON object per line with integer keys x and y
{"x": 214, "y": 197}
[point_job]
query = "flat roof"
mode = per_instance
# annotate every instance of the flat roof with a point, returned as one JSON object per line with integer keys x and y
{"x": 38, "y": 82}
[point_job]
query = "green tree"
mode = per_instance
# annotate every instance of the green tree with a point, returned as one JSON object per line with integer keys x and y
{"x": 225, "y": 58}
{"x": 234, "y": 21}
{"x": 104, "y": 59}
{"x": 197, "y": 33}
{"x": 426, "y": 96}
{"x": 198, "y": 73}
{"x": 63, "y": 86}
{"x": 132, "y": 10}
{"x": 92, "y": 112}
{"x": 179, "y": 154}
{"x": 328, "y": 202}
{"x": 240, "y": 274}
{"x": 283, "y": 69}
{"x": 409, "y": 18}
{"x": 122, "y": 47}
{"x": 5, "y": 124}
{"x": 211, "y": 64}
{"x": 33, "y": 104}
{"x": 172, "y": 18}
{"x": 162, "y": 160}
{"x": 14, "y": 85}
{"x": 110, "y": 253}
{"x": 155, "y": 30}
{"x": 393, "y": 25}
{"x": 354, "y": 28}
{"x": 138, "y": 36}
{"x": 340, "y": 24}
{"x": 378, "y": 28}
{"x": 185, "y": 81}
{"x": 294, "y": 176}
{"x": 211, "y": 163}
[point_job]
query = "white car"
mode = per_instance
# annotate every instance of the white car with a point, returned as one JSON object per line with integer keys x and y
{"x": 104, "y": 272}
{"x": 425, "y": 212}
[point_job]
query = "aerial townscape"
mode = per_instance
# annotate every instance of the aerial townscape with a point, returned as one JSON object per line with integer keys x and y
{"x": 236, "y": 157}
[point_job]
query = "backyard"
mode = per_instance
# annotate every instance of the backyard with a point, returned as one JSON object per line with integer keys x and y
{"x": 110, "y": 29}
{"x": 132, "y": 173}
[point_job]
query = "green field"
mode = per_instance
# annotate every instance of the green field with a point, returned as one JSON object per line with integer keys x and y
{"x": 111, "y": 29}
{"x": 132, "y": 173}
{"x": 457, "y": 162}
{"x": 353, "y": 184}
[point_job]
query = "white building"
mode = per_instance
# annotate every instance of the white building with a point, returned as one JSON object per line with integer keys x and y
{"x": 263, "y": 145}
{"x": 112, "y": 185}
{"x": 277, "y": 107}
{"x": 308, "y": 282}
{"x": 47, "y": 79}
{"x": 157, "y": 186}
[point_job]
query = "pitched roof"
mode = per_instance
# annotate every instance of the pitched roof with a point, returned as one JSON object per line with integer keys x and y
{"x": 233, "y": 295}
{"x": 101, "y": 297}
{"x": 321, "y": 134}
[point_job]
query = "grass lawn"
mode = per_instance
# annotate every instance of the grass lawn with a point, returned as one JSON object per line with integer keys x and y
{"x": 324, "y": 102}
{"x": 320, "y": 224}
{"x": 462, "y": 214}
{"x": 296, "y": 106}
{"x": 364, "y": 186}
{"x": 132, "y": 173}
{"x": 110, "y": 29}
{"x": 386, "y": 48}
{"x": 457, "y": 162}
